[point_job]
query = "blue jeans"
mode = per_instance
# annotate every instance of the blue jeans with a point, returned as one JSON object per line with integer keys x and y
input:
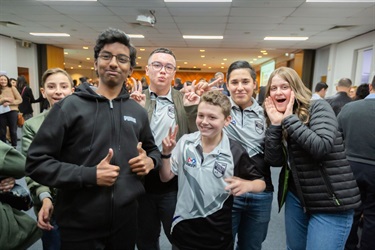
{"x": 251, "y": 214}
{"x": 153, "y": 210}
{"x": 315, "y": 231}
{"x": 51, "y": 239}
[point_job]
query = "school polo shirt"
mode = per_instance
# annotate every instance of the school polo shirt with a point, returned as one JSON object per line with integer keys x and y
{"x": 248, "y": 127}
{"x": 201, "y": 189}
{"x": 162, "y": 118}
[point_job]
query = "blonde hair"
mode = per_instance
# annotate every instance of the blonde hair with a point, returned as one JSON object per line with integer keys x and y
{"x": 301, "y": 92}
{"x": 53, "y": 71}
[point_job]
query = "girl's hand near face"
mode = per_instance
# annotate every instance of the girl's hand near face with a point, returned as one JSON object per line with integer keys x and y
{"x": 289, "y": 107}
{"x": 275, "y": 116}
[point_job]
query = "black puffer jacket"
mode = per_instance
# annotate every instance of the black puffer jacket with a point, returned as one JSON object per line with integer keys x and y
{"x": 321, "y": 173}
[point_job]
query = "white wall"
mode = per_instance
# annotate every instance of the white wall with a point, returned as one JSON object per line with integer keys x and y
{"x": 342, "y": 60}
{"x": 321, "y": 68}
{"x": 8, "y": 56}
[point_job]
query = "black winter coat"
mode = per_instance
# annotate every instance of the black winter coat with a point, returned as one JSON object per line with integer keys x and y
{"x": 321, "y": 173}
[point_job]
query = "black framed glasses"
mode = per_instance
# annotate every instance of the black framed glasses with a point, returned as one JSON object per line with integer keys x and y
{"x": 106, "y": 56}
{"x": 157, "y": 66}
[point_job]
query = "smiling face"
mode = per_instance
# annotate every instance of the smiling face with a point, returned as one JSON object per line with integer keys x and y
{"x": 56, "y": 87}
{"x": 3, "y": 81}
{"x": 241, "y": 87}
{"x": 160, "y": 80}
{"x": 211, "y": 120}
{"x": 280, "y": 91}
{"x": 113, "y": 72}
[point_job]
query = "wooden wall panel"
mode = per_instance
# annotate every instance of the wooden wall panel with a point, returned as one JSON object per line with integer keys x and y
{"x": 55, "y": 57}
{"x": 185, "y": 76}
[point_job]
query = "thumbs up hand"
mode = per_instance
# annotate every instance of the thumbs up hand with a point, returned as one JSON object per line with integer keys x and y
{"x": 106, "y": 173}
{"x": 142, "y": 164}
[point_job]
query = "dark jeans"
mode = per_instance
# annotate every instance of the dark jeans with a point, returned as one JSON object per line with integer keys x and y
{"x": 365, "y": 176}
{"x": 9, "y": 119}
{"x": 51, "y": 239}
{"x": 153, "y": 209}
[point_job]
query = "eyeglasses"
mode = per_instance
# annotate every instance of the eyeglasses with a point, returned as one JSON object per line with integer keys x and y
{"x": 157, "y": 66}
{"x": 123, "y": 59}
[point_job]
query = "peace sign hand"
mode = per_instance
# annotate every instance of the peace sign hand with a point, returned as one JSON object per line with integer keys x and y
{"x": 136, "y": 93}
{"x": 169, "y": 142}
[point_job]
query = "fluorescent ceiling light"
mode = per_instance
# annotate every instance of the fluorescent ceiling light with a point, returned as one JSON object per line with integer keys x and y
{"x": 49, "y": 34}
{"x": 136, "y": 36}
{"x": 197, "y": 1}
{"x": 202, "y": 37}
{"x": 286, "y": 38}
{"x": 67, "y": 0}
{"x": 339, "y": 1}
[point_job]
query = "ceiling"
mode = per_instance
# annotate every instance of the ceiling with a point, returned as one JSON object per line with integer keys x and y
{"x": 242, "y": 23}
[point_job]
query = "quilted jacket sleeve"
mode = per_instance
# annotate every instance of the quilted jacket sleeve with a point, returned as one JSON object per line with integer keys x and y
{"x": 316, "y": 137}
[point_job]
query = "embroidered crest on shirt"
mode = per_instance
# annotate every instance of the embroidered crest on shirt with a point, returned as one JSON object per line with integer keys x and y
{"x": 233, "y": 122}
{"x": 171, "y": 111}
{"x": 259, "y": 126}
{"x": 219, "y": 169}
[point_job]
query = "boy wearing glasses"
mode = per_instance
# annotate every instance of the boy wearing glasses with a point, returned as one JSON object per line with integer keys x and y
{"x": 94, "y": 146}
{"x": 166, "y": 107}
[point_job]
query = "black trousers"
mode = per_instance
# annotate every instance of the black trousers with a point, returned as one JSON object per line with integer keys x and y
{"x": 9, "y": 119}
{"x": 365, "y": 176}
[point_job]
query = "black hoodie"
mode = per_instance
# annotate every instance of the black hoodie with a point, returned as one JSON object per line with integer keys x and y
{"x": 73, "y": 139}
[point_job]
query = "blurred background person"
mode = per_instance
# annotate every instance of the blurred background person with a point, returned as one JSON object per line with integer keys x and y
{"x": 320, "y": 91}
{"x": 362, "y": 91}
{"x": 352, "y": 91}
{"x": 27, "y": 96}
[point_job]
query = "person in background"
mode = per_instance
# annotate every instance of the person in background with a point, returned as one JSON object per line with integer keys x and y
{"x": 352, "y": 92}
{"x": 144, "y": 83}
{"x": 320, "y": 91}
{"x": 357, "y": 124}
{"x": 94, "y": 146}
{"x": 18, "y": 230}
{"x": 316, "y": 181}
{"x": 221, "y": 83}
{"x": 251, "y": 212}
{"x": 178, "y": 84}
{"x": 27, "y": 96}
{"x": 342, "y": 96}
{"x": 10, "y": 98}
{"x": 13, "y": 82}
{"x": 363, "y": 90}
{"x": 56, "y": 84}
{"x": 211, "y": 168}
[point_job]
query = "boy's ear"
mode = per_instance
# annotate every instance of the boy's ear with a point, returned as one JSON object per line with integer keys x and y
{"x": 42, "y": 91}
{"x": 228, "y": 119}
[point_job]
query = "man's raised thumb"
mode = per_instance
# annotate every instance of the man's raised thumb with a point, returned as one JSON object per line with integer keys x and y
{"x": 109, "y": 156}
{"x": 139, "y": 148}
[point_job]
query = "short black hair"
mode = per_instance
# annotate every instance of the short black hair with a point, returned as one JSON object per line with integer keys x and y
{"x": 164, "y": 51}
{"x": 320, "y": 85}
{"x": 242, "y": 65}
{"x": 112, "y": 35}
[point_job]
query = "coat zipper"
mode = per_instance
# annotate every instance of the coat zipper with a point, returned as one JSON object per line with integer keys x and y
{"x": 328, "y": 184}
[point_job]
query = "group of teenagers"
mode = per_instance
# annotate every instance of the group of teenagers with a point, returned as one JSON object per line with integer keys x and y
{"x": 106, "y": 168}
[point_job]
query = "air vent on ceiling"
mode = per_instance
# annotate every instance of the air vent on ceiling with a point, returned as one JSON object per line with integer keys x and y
{"x": 348, "y": 27}
{"x": 195, "y": 69}
{"x": 7, "y": 23}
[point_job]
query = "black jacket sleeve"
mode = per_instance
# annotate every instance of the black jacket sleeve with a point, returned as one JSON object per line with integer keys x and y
{"x": 273, "y": 148}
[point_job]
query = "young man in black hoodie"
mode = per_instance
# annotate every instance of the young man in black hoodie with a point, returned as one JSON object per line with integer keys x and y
{"x": 94, "y": 146}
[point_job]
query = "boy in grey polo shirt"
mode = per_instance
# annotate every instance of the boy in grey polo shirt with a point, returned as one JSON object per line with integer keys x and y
{"x": 210, "y": 168}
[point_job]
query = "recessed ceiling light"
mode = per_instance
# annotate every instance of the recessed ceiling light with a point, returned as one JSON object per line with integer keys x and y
{"x": 88, "y": 58}
{"x": 204, "y": 64}
{"x": 185, "y": 62}
{"x": 224, "y": 59}
{"x": 136, "y": 36}
{"x": 209, "y": 67}
{"x": 202, "y": 37}
{"x": 286, "y": 38}
{"x": 142, "y": 49}
{"x": 85, "y": 47}
{"x": 259, "y": 56}
{"x": 202, "y": 50}
{"x": 48, "y": 34}
{"x": 203, "y": 56}
{"x": 197, "y": 1}
{"x": 263, "y": 51}
{"x": 222, "y": 63}
{"x": 66, "y": 53}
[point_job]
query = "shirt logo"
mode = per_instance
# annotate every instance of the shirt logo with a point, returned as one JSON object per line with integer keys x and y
{"x": 130, "y": 119}
{"x": 219, "y": 169}
{"x": 191, "y": 162}
{"x": 259, "y": 126}
{"x": 233, "y": 122}
{"x": 171, "y": 111}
